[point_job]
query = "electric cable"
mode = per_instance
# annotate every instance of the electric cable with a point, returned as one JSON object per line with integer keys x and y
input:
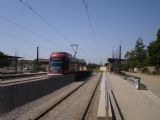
{"x": 45, "y": 21}
{"x": 53, "y": 27}
{"x": 26, "y": 42}
{"x": 91, "y": 28}
{"x": 29, "y": 30}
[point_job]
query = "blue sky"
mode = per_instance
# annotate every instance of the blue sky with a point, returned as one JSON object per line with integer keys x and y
{"x": 113, "y": 21}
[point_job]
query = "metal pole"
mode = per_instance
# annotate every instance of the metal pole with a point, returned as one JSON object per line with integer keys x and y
{"x": 120, "y": 59}
{"x": 37, "y": 54}
{"x": 75, "y": 49}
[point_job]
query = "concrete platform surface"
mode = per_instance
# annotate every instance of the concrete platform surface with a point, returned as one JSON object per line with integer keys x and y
{"x": 134, "y": 104}
{"x": 102, "y": 100}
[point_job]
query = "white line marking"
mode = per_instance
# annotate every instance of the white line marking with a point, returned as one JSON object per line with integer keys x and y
{"x": 151, "y": 95}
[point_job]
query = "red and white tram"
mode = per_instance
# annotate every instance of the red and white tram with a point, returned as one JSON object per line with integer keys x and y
{"x": 61, "y": 63}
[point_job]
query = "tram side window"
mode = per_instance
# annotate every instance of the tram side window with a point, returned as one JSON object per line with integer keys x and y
{"x": 66, "y": 64}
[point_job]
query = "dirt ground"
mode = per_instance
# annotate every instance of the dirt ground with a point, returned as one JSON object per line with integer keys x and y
{"x": 150, "y": 82}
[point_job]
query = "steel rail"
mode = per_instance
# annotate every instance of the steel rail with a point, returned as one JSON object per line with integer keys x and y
{"x": 92, "y": 97}
{"x": 22, "y": 80}
{"x": 61, "y": 100}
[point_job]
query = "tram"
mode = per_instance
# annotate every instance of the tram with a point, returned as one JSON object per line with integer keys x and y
{"x": 61, "y": 63}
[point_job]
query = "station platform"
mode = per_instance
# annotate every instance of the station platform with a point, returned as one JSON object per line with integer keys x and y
{"x": 128, "y": 103}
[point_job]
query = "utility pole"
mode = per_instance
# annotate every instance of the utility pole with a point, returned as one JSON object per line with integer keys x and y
{"x": 75, "y": 49}
{"x": 114, "y": 63}
{"x": 120, "y": 58}
{"x": 16, "y": 55}
{"x": 117, "y": 61}
{"x": 37, "y": 54}
{"x": 112, "y": 53}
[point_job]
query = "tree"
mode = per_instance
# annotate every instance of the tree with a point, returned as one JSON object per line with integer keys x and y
{"x": 22, "y": 63}
{"x": 140, "y": 51}
{"x": 158, "y": 35}
{"x": 130, "y": 55}
{"x": 137, "y": 56}
{"x": 92, "y": 66}
{"x": 154, "y": 51}
{"x": 140, "y": 57}
{"x": 106, "y": 64}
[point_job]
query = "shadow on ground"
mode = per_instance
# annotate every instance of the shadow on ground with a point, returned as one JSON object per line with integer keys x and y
{"x": 143, "y": 87}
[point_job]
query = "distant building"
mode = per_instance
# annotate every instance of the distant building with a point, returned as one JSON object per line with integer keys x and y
{"x": 11, "y": 59}
{"x": 103, "y": 68}
{"x": 9, "y": 64}
{"x": 42, "y": 62}
{"x": 114, "y": 64}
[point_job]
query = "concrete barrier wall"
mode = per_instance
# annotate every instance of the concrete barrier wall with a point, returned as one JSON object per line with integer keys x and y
{"x": 4, "y": 76}
{"x": 82, "y": 75}
{"x": 15, "y": 95}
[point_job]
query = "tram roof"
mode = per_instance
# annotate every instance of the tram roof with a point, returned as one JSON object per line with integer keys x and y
{"x": 62, "y": 53}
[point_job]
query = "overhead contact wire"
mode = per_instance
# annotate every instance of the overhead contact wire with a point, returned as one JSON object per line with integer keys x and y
{"x": 45, "y": 21}
{"x": 17, "y": 39}
{"x": 91, "y": 26}
{"x": 30, "y": 31}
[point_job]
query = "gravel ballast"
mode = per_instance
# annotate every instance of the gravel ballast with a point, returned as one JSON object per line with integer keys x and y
{"x": 73, "y": 108}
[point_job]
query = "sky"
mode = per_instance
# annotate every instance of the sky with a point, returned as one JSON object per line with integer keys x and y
{"x": 113, "y": 22}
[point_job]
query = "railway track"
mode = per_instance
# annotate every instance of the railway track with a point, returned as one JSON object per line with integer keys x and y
{"x": 20, "y": 75}
{"x": 22, "y": 79}
{"x": 44, "y": 114}
{"x": 69, "y": 104}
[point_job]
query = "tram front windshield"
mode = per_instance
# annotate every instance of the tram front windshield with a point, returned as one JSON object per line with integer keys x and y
{"x": 56, "y": 66}
{"x": 56, "y": 63}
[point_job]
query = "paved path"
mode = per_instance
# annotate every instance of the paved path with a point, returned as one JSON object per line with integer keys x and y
{"x": 152, "y": 82}
{"x": 133, "y": 104}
